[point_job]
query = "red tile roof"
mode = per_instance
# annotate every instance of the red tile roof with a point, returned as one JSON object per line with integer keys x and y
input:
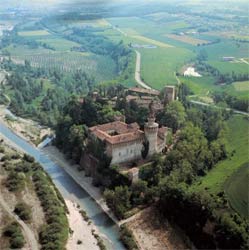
{"x": 117, "y": 132}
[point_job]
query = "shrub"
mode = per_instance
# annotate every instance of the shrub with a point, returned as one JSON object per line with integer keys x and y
{"x": 28, "y": 158}
{"x": 15, "y": 181}
{"x": 13, "y": 231}
{"x": 2, "y": 150}
{"x": 53, "y": 235}
{"x": 23, "y": 211}
{"x": 127, "y": 238}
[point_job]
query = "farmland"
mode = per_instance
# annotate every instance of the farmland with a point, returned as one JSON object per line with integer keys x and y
{"x": 34, "y": 33}
{"x": 187, "y": 39}
{"x": 236, "y": 188}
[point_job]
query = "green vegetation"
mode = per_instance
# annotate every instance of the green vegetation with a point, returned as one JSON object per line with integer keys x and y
{"x": 215, "y": 179}
{"x": 54, "y": 232}
{"x": 127, "y": 238}
{"x": 236, "y": 188}
{"x": 14, "y": 233}
{"x": 100, "y": 242}
{"x": 23, "y": 211}
{"x": 159, "y": 65}
{"x": 34, "y": 33}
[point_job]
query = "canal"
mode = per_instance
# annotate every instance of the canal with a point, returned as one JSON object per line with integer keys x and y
{"x": 70, "y": 190}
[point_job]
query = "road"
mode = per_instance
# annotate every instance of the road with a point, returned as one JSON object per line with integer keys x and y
{"x": 217, "y": 107}
{"x": 28, "y": 234}
{"x": 137, "y": 72}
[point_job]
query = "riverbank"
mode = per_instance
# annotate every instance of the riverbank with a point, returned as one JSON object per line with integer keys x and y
{"x": 81, "y": 236}
{"x": 80, "y": 178}
{"x": 27, "y": 129}
{"x": 69, "y": 188}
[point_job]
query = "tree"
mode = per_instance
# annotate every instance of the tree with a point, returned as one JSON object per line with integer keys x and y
{"x": 118, "y": 200}
{"x": 173, "y": 116}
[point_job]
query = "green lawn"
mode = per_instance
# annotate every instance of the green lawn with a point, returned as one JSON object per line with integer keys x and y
{"x": 237, "y": 189}
{"x": 237, "y": 137}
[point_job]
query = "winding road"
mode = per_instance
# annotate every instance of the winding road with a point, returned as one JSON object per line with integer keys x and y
{"x": 28, "y": 234}
{"x": 138, "y": 70}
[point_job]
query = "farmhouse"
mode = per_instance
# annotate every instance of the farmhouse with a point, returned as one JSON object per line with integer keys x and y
{"x": 125, "y": 142}
{"x": 228, "y": 58}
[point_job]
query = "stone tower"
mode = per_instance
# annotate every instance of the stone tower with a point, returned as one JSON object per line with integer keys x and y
{"x": 151, "y": 131}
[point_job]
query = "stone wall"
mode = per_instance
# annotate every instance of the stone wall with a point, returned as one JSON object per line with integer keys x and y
{"x": 126, "y": 152}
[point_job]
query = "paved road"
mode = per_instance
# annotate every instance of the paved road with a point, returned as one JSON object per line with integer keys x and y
{"x": 28, "y": 234}
{"x": 137, "y": 72}
{"x": 213, "y": 106}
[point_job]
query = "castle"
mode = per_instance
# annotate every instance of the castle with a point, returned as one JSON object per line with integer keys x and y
{"x": 125, "y": 142}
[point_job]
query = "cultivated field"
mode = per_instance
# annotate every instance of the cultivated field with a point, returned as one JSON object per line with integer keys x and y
{"x": 241, "y": 86}
{"x": 187, "y": 39}
{"x": 59, "y": 44}
{"x": 34, "y": 33}
{"x": 151, "y": 41}
{"x": 236, "y": 189}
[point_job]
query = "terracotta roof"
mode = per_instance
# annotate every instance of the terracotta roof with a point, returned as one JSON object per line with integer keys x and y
{"x": 117, "y": 132}
{"x": 131, "y": 97}
{"x": 145, "y": 91}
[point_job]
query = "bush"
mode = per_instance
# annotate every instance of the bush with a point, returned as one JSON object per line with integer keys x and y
{"x": 28, "y": 158}
{"x": 2, "y": 150}
{"x": 15, "y": 181}
{"x": 13, "y": 231}
{"x": 23, "y": 211}
{"x": 53, "y": 235}
{"x": 127, "y": 238}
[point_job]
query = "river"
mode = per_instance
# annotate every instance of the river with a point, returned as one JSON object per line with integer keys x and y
{"x": 70, "y": 190}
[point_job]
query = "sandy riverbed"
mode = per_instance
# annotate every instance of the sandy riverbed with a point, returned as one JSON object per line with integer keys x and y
{"x": 81, "y": 230}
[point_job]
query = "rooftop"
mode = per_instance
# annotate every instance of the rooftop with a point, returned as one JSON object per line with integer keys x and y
{"x": 145, "y": 91}
{"x": 117, "y": 132}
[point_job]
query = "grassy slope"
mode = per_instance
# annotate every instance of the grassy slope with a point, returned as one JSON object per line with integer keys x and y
{"x": 236, "y": 188}
{"x": 158, "y": 65}
{"x": 237, "y": 138}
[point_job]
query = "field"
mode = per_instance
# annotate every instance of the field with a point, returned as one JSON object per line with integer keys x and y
{"x": 214, "y": 181}
{"x": 102, "y": 68}
{"x": 241, "y": 86}
{"x": 33, "y": 33}
{"x": 159, "y": 65}
{"x": 59, "y": 44}
{"x": 236, "y": 188}
{"x": 151, "y": 41}
{"x": 187, "y": 39}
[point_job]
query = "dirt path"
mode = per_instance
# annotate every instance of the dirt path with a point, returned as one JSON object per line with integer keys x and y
{"x": 138, "y": 70}
{"x": 244, "y": 61}
{"x": 29, "y": 235}
{"x": 217, "y": 107}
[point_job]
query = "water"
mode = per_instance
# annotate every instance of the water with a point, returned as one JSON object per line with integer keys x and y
{"x": 70, "y": 190}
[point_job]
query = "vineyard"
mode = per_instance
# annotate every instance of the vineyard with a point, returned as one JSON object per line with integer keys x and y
{"x": 103, "y": 68}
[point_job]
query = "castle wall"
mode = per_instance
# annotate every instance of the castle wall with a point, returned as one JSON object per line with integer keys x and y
{"x": 126, "y": 152}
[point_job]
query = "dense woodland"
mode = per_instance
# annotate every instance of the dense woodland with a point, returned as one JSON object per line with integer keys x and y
{"x": 42, "y": 94}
